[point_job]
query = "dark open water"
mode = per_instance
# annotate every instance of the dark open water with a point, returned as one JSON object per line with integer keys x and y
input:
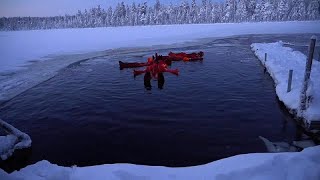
{"x": 93, "y": 113}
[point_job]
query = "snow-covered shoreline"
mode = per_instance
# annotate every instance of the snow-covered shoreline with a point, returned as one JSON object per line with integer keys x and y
{"x": 280, "y": 60}
{"x": 257, "y": 166}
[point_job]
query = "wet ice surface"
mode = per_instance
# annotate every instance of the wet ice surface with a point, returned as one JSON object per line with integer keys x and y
{"x": 92, "y": 113}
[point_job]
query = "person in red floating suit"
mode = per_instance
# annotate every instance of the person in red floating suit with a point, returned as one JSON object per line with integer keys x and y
{"x": 158, "y": 66}
{"x": 186, "y": 57}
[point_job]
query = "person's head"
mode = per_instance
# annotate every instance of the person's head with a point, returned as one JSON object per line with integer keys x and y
{"x": 200, "y": 53}
{"x": 150, "y": 60}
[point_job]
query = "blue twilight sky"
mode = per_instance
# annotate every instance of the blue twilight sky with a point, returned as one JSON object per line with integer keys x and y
{"x": 9, "y": 8}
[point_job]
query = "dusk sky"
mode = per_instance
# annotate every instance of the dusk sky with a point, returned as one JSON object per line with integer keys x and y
{"x": 9, "y": 8}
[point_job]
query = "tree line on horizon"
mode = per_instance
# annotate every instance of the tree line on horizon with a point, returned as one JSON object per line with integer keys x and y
{"x": 186, "y": 12}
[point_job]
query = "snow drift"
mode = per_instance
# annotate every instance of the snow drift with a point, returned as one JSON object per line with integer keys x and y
{"x": 276, "y": 166}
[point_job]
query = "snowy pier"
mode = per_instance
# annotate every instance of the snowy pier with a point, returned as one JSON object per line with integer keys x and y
{"x": 279, "y": 63}
{"x": 14, "y": 140}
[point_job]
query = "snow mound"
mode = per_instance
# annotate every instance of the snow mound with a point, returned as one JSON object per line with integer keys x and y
{"x": 263, "y": 166}
{"x": 280, "y": 60}
{"x": 15, "y": 140}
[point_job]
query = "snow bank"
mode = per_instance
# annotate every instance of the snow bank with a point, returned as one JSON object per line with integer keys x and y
{"x": 264, "y": 166}
{"x": 15, "y": 140}
{"x": 280, "y": 60}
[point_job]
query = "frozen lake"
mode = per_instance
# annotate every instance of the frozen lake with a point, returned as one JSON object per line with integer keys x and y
{"x": 93, "y": 113}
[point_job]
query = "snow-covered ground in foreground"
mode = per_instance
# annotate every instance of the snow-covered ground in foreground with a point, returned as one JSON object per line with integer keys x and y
{"x": 15, "y": 140}
{"x": 264, "y": 166}
{"x": 30, "y": 57}
{"x": 280, "y": 60}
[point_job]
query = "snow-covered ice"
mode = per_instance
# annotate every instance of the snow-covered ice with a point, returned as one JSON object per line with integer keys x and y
{"x": 294, "y": 146}
{"x": 15, "y": 140}
{"x": 30, "y": 57}
{"x": 19, "y": 47}
{"x": 280, "y": 60}
{"x": 260, "y": 166}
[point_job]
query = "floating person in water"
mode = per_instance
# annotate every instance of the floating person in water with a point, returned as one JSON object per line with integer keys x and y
{"x": 182, "y": 56}
{"x": 155, "y": 71}
{"x": 158, "y": 66}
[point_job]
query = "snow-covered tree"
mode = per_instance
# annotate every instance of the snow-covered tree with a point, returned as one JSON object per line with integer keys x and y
{"x": 283, "y": 10}
{"x": 298, "y": 11}
{"x": 108, "y": 19}
{"x": 241, "y": 11}
{"x": 314, "y": 10}
{"x": 157, "y": 12}
{"x": 143, "y": 13}
{"x": 193, "y": 12}
{"x": 122, "y": 13}
{"x": 203, "y": 12}
{"x": 157, "y": 6}
{"x": 184, "y": 11}
{"x": 79, "y": 17}
{"x": 134, "y": 15}
{"x": 229, "y": 11}
{"x": 266, "y": 11}
{"x": 98, "y": 16}
{"x": 257, "y": 13}
{"x": 170, "y": 16}
{"x": 216, "y": 12}
{"x": 251, "y": 7}
{"x": 127, "y": 16}
{"x": 86, "y": 18}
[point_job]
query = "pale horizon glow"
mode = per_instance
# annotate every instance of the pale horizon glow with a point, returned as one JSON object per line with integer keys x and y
{"x": 43, "y": 8}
